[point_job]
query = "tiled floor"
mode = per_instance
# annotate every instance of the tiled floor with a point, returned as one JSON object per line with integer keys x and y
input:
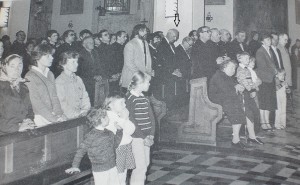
{"x": 276, "y": 162}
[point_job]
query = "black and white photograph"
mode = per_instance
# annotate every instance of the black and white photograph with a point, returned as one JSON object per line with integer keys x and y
{"x": 149, "y": 92}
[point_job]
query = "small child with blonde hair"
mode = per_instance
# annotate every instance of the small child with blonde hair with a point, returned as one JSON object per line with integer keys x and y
{"x": 119, "y": 117}
{"x": 100, "y": 144}
{"x": 281, "y": 89}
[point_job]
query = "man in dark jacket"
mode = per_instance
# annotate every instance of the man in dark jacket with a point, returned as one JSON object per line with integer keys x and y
{"x": 18, "y": 46}
{"x": 238, "y": 45}
{"x": 224, "y": 42}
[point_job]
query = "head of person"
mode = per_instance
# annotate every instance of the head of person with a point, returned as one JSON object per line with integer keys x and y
{"x": 12, "y": 66}
{"x": 21, "y": 36}
{"x": 97, "y": 117}
{"x": 243, "y": 58}
{"x": 104, "y": 36}
{"x": 1, "y": 48}
{"x": 254, "y": 35}
{"x": 204, "y": 33}
{"x": 154, "y": 39}
{"x": 140, "y": 31}
{"x": 283, "y": 39}
{"x": 84, "y": 33}
{"x": 266, "y": 39}
{"x": 297, "y": 43}
{"x": 225, "y": 35}
{"x": 240, "y": 36}
{"x": 96, "y": 40}
{"x": 88, "y": 43}
{"x": 52, "y": 36}
{"x": 69, "y": 36}
{"x": 43, "y": 41}
{"x": 187, "y": 43}
{"x": 274, "y": 39}
{"x": 121, "y": 37}
{"x": 172, "y": 35}
{"x": 42, "y": 55}
{"x": 251, "y": 64}
{"x": 6, "y": 41}
{"x": 194, "y": 34}
{"x": 115, "y": 104}
{"x": 281, "y": 74}
{"x": 140, "y": 82}
{"x": 29, "y": 46}
{"x": 228, "y": 66}
{"x": 69, "y": 61}
{"x": 113, "y": 38}
{"x": 215, "y": 35}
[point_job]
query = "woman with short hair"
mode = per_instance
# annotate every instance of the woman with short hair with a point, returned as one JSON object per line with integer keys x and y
{"x": 71, "y": 91}
{"x": 42, "y": 87}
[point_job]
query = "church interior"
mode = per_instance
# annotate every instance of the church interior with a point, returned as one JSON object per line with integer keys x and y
{"x": 202, "y": 131}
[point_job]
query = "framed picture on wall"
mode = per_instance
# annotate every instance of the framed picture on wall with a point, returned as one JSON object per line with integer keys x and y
{"x": 297, "y": 6}
{"x": 215, "y": 2}
{"x": 71, "y": 7}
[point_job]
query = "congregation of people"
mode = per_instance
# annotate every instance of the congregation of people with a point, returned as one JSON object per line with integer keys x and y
{"x": 52, "y": 79}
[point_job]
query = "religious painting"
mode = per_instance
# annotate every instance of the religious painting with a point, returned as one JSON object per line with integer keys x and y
{"x": 297, "y": 6}
{"x": 71, "y": 7}
{"x": 215, "y": 2}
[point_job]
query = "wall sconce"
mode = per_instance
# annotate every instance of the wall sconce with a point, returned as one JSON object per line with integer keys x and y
{"x": 70, "y": 25}
{"x": 101, "y": 10}
{"x": 208, "y": 18}
{"x": 4, "y": 15}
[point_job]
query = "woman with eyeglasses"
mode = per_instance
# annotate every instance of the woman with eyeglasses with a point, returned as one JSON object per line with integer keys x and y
{"x": 42, "y": 89}
{"x": 15, "y": 106}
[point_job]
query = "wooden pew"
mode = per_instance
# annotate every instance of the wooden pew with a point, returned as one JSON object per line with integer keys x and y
{"x": 41, "y": 156}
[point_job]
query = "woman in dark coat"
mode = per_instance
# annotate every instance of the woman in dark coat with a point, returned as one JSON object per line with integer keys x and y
{"x": 225, "y": 91}
{"x": 16, "y": 112}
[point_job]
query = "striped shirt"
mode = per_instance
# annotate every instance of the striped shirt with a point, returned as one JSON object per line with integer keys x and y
{"x": 141, "y": 114}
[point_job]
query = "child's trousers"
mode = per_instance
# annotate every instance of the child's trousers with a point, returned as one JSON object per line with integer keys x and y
{"x": 108, "y": 177}
{"x": 141, "y": 155}
{"x": 280, "y": 115}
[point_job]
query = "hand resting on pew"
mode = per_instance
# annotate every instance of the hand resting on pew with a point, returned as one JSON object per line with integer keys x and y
{"x": 72, "y": 170}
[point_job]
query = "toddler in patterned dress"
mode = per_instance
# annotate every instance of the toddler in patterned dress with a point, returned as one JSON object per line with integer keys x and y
{"x": 119, "y": 117}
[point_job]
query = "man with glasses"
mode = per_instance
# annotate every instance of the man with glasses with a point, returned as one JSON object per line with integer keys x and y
{"x": 69, "y": 38}
{"x": 203, "y": 62}
{"x": 238, "y": 45}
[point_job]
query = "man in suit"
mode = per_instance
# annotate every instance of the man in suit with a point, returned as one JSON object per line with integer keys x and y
{"x": 136, "y": 56}
{"x": 166, "y": 54}
{"x": 203, "y": 66}
{"x": 276, "y": 52}
{"x": 238, "y": 45}
{"x": 215, "y": 51}
{"x": 90, "y": 69}
{"x": 224, "y": 43}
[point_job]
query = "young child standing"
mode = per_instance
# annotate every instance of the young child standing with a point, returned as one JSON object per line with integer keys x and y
{"x": 100, "y": 144}
{"x": 119, "y": 117}
{"x": 140, "y": 113}
{"x": 281, "y": 89}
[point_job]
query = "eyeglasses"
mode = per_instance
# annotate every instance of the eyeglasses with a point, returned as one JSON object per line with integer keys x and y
{"x": 208, "y": 31}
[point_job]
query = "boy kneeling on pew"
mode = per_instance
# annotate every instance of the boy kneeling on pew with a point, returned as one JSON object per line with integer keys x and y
{"x": 100, "y": 144}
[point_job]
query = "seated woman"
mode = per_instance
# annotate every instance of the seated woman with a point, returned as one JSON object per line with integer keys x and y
{"x": 225, "y": 91}
{"x": 15, "y": 107}
{"x": 42, "y": 89}
{"x": 71, "y": 91}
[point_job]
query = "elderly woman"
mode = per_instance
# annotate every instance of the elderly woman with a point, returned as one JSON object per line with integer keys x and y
{"x": 225, "y": 91}
{"x": 71, "y": 91}
{"x": 42, "y": 89}
{"x": 15, "y": 107}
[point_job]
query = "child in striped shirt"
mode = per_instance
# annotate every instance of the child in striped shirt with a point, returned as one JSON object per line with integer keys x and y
{"x": 141, "y": 114}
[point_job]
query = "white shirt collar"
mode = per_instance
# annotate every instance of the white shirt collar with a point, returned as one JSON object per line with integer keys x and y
{"x": 40, "y": 71}
{"x": 136, "y": 94}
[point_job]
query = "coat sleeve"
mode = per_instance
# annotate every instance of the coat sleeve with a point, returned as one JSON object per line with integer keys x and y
{"x": 85, "y": 102}
{"x": 81, "y": 151}
{"x": 129, "y": 57}
{"x": 55, "y": 101}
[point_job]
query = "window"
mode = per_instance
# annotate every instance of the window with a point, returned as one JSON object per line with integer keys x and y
{"x": 117, "y": 6}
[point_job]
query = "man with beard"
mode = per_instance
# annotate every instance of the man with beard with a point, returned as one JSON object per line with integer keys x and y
{"x": 136, "y": 56}
{"x": 154, "y": 40}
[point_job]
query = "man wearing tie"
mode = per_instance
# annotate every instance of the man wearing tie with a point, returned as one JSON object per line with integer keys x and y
{"x": 136, "y": 55}
{"x": 276, "y": 54}
{"x": 238, "y": 45}
{"x": 283, "y": 40}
